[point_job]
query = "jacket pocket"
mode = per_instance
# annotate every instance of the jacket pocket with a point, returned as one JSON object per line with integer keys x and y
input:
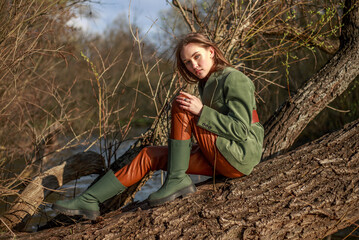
{"x": 235, "y": 150}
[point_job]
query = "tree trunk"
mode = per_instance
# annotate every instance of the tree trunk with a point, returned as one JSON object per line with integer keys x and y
{"x": 283, "y": 128}
{"x": 307, "y": 193}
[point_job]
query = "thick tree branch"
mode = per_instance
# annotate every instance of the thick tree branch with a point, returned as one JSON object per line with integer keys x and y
{"x": 283, "y": 128}
{"x": 314, "y": 194}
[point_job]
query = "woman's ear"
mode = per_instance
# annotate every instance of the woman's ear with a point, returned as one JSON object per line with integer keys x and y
{"x": 211, "y": 52}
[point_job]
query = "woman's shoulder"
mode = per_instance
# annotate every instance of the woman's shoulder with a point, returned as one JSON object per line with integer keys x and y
{"x": 230, "y": 77}
{"x": 226, "y": 70}
{"x": 231, "y": 74}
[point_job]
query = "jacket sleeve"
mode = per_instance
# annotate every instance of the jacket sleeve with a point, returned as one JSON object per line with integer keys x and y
{"x": 238, "y": 92}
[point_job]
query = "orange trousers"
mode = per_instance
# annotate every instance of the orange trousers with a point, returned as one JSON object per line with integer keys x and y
{"x": 204, "y": 157}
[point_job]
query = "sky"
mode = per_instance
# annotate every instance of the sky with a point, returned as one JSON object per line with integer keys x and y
{"x": 143, "y": 13}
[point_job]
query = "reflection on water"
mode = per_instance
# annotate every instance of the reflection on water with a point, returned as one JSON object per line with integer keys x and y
{"x": 76, "y": 187}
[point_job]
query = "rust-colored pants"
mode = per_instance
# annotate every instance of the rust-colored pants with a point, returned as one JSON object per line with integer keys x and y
{"x": 204, "y": 155}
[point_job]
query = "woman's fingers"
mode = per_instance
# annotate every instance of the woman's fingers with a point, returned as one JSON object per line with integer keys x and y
{"x": 186, "y": 94}
{"x": 190, "y": 103}
{"x": 184, "y": 97}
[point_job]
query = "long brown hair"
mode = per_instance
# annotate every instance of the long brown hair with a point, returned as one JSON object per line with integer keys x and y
{"x": 220, "y": 61}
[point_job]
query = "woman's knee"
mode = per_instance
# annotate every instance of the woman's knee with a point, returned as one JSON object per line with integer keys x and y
{"x": 156, "y": 157}
{"x": 176, "y": 107}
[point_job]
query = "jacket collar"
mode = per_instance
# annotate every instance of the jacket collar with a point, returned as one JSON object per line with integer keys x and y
{"x": 214, "y": 76}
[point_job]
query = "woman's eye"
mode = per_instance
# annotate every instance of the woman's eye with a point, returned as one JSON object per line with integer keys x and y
{"x": 196, "y": 57}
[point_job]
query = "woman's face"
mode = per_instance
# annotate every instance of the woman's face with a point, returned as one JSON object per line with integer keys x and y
{"x": 198, "y": 60}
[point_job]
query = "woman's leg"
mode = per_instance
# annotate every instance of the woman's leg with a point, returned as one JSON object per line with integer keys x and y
{"x": 183, "y": 125}
{"x": 207, "y": 144}
{"x": 149, "y": 159}
{"x": 87, "y": 204}
{"x": 181, "y": 161}
{"x": 155, "y": 158}
{"x": 177, "y": 182}
{"x": 202, "y": 156}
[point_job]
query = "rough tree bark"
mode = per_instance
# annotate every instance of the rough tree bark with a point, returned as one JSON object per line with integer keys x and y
{"x": 307, "y": 193}
{"x": 283, "y": 128}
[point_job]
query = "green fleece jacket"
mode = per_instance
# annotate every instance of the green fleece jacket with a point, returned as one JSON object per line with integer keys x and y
{"x": 228, "y": 99}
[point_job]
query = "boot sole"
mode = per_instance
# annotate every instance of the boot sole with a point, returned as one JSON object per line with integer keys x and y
{"x": 88, "y": 214}
{"x": 180, "y": 193}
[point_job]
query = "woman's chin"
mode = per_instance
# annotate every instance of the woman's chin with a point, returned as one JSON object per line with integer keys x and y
{"x": 200, "y": 76}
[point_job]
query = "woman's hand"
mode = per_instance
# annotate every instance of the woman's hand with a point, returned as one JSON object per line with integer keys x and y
{"x": 190, "y": 103}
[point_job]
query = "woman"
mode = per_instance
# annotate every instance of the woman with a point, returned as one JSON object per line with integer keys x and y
{"x": 224, "y": 123}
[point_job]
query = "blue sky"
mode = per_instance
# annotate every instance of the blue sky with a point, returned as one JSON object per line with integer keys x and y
{"x": 143, "y": 13}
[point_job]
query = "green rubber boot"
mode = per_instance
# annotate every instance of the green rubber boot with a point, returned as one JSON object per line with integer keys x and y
{"x": 87, "y": 204}
{"x": 177, "y": 182}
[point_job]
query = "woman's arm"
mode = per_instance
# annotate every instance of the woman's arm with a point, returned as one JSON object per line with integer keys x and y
{"x": 239, "y": 98}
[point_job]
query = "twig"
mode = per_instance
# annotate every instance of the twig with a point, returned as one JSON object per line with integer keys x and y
{"x": 338, "y": 110}
{"x": 14, "y": 235}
